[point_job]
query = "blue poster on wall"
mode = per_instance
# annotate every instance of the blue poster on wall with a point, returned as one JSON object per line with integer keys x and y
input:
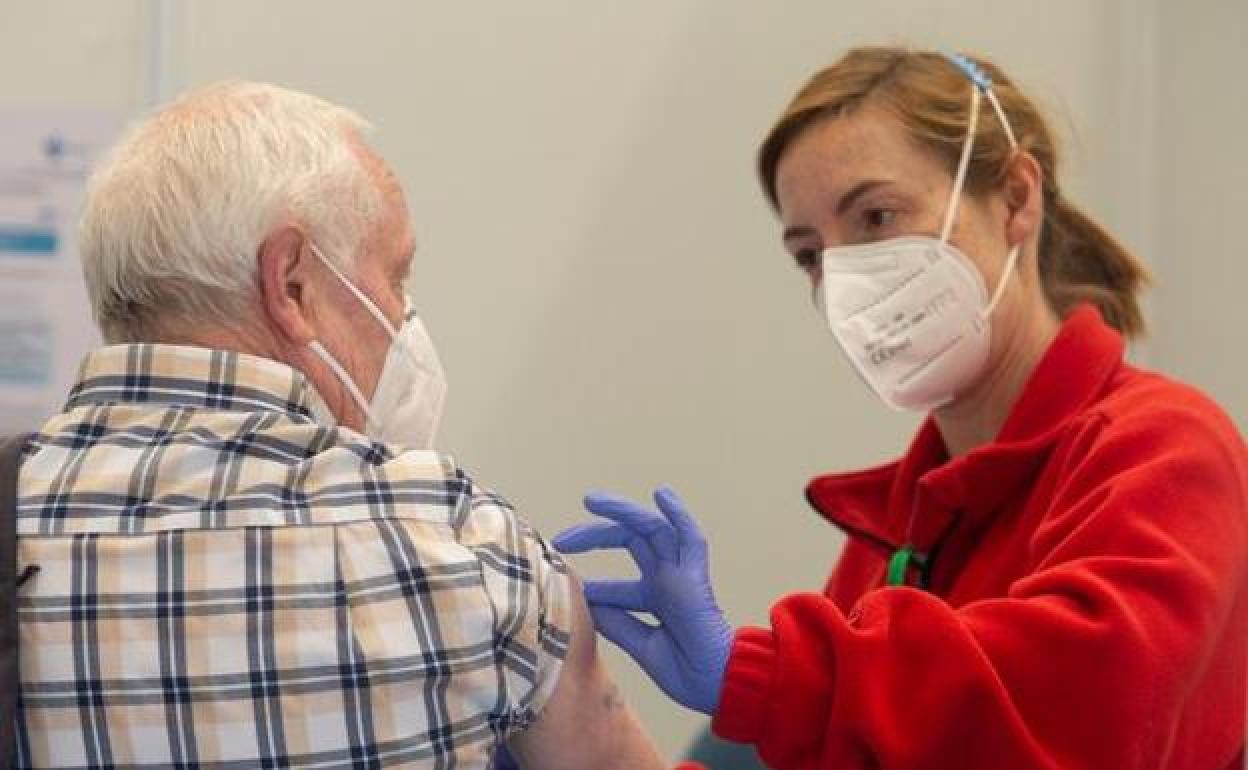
{"x": 45, "y": 321}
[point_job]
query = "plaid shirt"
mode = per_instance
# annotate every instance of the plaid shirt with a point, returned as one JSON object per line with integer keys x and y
{"x": 228, "y": 580}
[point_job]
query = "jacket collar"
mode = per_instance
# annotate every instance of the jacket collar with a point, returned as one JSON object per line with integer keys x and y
{"x": 922, "y": 495}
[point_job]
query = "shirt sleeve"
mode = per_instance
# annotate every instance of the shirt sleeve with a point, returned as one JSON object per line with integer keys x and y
{"x": 528, "y": 586}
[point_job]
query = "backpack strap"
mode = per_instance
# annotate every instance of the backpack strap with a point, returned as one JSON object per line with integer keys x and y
{"x": 10, "y": 461}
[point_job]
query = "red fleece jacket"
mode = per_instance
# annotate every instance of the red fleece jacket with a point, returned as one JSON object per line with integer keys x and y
{"x": 1080, "y": 599}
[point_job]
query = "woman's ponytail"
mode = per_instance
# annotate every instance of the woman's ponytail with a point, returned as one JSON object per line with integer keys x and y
{"x": 1081, "y": 262}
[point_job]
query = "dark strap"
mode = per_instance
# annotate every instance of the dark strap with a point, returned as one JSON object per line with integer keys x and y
{"x": 10, "y": 460}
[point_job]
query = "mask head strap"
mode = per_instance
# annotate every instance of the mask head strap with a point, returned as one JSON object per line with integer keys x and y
{"x": 964, "y": 164}
{"x": 981, "y": 83}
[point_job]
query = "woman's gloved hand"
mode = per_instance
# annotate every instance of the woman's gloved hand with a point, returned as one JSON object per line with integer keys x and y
{"x": 686, "y": 653}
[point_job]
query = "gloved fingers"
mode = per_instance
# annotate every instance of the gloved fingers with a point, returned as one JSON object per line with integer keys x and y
{"x": 649, "y": 524}
{"x": 688, "y": 534}
{"x": 606, "y": 534}
{"x": 591, "y": 536}
{"x": 624, "y": 631}
{"x": 503, "y": 759}
{"x": 624, "y": 594}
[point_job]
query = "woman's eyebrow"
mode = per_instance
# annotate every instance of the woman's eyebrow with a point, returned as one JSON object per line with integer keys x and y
{"x": 797, "y": 231}
{"x": 857, "y": 191}
{"x": 846, "y": 202}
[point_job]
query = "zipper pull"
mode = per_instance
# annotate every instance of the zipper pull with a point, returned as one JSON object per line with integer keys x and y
{"x": 899, "y": 565}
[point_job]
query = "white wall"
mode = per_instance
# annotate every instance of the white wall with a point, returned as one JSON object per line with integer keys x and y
{"x": 61, "y": 53}
{"x": 1202, "y": 177}
{"x": 598, "y": 267}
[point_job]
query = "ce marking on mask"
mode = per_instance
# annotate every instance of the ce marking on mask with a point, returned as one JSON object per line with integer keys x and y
{"x": 894, "y": 335}
{"x": 879, "y": 353}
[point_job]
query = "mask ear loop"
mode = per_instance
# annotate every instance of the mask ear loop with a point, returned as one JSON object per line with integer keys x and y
{"x": 361, "y": 296}
{"x": 395, "y": 339}
{"x": 1012, "y": 260}
{"x": 317, "y": 348}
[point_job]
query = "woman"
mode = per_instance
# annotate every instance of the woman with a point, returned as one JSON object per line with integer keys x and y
{"x": 1053, "y": 575}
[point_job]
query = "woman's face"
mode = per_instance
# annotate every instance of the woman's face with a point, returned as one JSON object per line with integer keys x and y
{"x": 861, "y": 178}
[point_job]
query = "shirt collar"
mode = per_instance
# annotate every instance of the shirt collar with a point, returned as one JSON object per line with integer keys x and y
{"x": 920, "y": 496}
{"x": 180, "y": 375}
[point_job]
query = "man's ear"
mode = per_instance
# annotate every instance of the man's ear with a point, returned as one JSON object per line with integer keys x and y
{"x": 283, "y": 269}
{"x": 1023, "y": 190}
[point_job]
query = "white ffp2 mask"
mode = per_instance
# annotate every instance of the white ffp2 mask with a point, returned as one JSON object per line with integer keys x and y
{"x": 407, "y": 403}
{"x": 912, "y": 313}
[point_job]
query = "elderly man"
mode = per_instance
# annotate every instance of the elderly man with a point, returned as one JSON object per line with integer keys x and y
{"x": 249, "y": 555}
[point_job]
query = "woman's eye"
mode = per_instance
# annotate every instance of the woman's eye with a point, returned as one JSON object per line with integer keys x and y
{"x": 878, "y": 219}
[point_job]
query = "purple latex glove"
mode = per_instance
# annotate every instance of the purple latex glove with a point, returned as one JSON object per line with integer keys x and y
{"x": 687, "y": 652}
{"x": 503, "y": 759}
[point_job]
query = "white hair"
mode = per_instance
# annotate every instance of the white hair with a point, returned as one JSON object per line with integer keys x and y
{"x": 176, "y": 212}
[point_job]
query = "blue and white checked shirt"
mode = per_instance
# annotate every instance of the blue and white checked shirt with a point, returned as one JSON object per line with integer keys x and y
{"x": 228, "y": 580}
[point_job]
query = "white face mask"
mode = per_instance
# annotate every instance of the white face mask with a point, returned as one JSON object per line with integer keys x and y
{"x": 912, "y": 313}
{"x": 406, "y": 406}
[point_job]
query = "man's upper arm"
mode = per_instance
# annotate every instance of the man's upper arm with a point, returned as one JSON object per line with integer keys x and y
{"x": 564, "y": 708}
{"x": 585, "y": 723}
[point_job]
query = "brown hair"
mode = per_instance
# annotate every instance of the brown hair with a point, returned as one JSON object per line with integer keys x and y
{"x": 1079, "y": 260}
